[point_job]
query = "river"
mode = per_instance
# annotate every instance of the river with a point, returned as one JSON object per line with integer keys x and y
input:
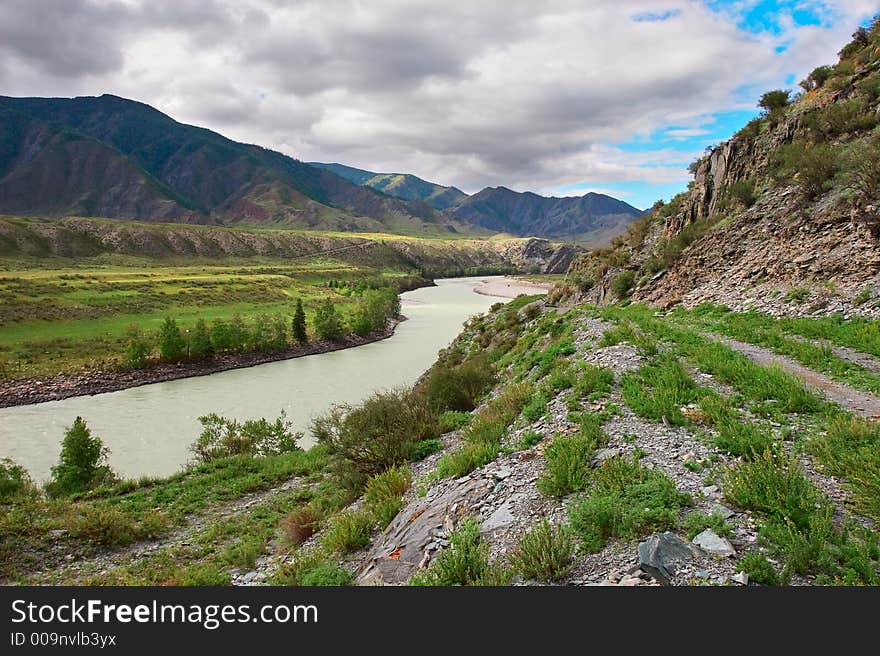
{"x": 149, "y": 429}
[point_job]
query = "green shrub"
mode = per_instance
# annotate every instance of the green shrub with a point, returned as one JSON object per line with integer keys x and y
{"x": 543, "y": 554}
{"x": 384, "y": 493}
{"x": 459, "y": 387}
{"x": 758, "y": 568}
{"x": 659, "y": 389}
{"x": 775, "y": 100}
{"x": 567, "y": 465}
{"x": 743, "y": 192}
{"x": 623, "y": 283}
{"x": 425, "y": 448}
{"x": 82, "y": 464}
{"x": 327, "y": 323}
{"x": 380, "y": 433}
{"x": 536, "y": 407}
{"x": 625, "y": 500}
{"x": 348, "y": 531}
{"x": 464, "y": 562}
{"x": 222, "y": 437}
{"x": 137, "y": 350}
{"x": 468, "y": 458}
{"x": 529, "y": 439}
{"x": 109, "y": 527}
{"x": 327, "y": 575}
{"x": 200, "y": 342}
{"x": 172, "y": 345}
{"x": 811, "y": 166}
{"x": 14, "y": 481}
{"x": 452, "y": 420}
{"x": 775, "y": 485}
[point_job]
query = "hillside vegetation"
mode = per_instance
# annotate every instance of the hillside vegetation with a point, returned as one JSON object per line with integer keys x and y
{"x": 783, "y": 217}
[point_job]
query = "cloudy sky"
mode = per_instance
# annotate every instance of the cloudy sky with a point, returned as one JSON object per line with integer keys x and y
{"x": 557, "y": 97}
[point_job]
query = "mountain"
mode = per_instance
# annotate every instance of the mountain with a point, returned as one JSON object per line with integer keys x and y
{"x": 108, "y": 156}
{"x": 592, "y": 217}
{"x": 783, "y": 218}
{"x": 399, "y": 185}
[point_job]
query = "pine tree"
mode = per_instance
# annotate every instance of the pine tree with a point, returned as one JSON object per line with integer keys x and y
{"x": 82, "y": 464}
{"x": 299, "y": 323}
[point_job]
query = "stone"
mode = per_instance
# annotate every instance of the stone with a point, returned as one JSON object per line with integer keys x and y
{"x": 602, "y": 455}
{"x": 742, "y": 578}
{"x": 724, "y": 511}
{"x": 503, "y": 473}
{"x": 712, "y": 543}
{"x": 709, "y": 490}
{"x": 661, "y": 554}
{"x": 500, "y": 519}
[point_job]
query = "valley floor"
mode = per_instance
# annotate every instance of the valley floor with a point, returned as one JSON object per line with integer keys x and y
{"x": 620, "y": 447}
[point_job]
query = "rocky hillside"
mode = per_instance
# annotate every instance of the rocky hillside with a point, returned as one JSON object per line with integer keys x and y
{"x": 113, "y": 157}
{"x": 399, "y": 185}
{"x": 593, "y": 217}
{"x": 83, "y": 237}
{"x": 781, "y": 218}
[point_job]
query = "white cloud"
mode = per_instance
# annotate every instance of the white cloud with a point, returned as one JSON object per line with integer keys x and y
{"x": 510, "y": 92}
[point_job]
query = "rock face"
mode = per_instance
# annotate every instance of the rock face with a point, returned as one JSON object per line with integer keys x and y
{"x": 418, "y": 531}
{"x": 660, "y": 554}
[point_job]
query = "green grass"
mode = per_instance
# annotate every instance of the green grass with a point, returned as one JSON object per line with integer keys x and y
{"x": 696, "y": 522}
{"x": 72, "y": 316}
{"x": 567, "y": 459}
{"x": 544, "y": 553}
{"x": 624, "y": 500}
{"x": 658, "y": 390}
{"x": 483, "y": 436}
{"x": 464, "y": 562}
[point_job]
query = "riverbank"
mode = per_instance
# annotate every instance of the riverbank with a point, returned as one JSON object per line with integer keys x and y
{"x": 89, "y": 383}
{"x": 512, "y": 287}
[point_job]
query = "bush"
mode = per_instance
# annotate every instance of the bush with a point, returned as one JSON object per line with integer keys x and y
{"x": 82, "y": 464}
{"x": 452, "y": 420}
{"x": 623, "y": 283}
{"x": 109, "y": 527}
{"x": 817, "y": 78}
{"x": 14, "y": 481}
{"x": 222, "y": 437}
{"x": 172, "y": 346}
{"x": 743, "y": 192}
{"x": 625, "y": 500}
{"x": 137, "y": 350}
{"x": 327, "y": 575}
{"x": 567, "y": 465}
{"x": 327, "y": 323}
{"x": 544, "y": 554}
{"x": 860, "y": 166}
{"x": 536, "y": 407}
{"x": 200, "y": 343}
{"x": 348, "y": 531}
{"x": 459, "y": 388}
{"x": 659, "y": 389}
{"x": 775, "y": 485}
{"x": 464, "y": 562}
{"x": 380, "y": 433}
{"x": 300, "y": 524}
{"x": 812, "y": 167}
{"x": 384, "y": 493}
{"x": 758, "y": 568}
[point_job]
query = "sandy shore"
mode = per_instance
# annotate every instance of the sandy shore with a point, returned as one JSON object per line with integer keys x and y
{"x": 511, "y": 287}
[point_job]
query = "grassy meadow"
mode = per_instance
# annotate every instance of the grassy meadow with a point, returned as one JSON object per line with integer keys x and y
{"x": 61, "y": 315}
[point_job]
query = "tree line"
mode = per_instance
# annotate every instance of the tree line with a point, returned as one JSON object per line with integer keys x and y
{"x": 260, "y": 334}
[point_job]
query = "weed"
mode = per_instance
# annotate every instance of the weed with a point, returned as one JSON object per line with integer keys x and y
{"x": 544, "y": 554}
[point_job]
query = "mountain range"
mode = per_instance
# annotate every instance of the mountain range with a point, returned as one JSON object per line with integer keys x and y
{"x": 111, "y": 157}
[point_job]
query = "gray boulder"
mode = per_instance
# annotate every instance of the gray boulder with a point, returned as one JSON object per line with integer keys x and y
{"x": 661, "y": 554}
{"x": 710, "y": 542}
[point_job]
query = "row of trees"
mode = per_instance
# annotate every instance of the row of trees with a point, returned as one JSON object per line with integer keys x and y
{"x": 263, "y": 333}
